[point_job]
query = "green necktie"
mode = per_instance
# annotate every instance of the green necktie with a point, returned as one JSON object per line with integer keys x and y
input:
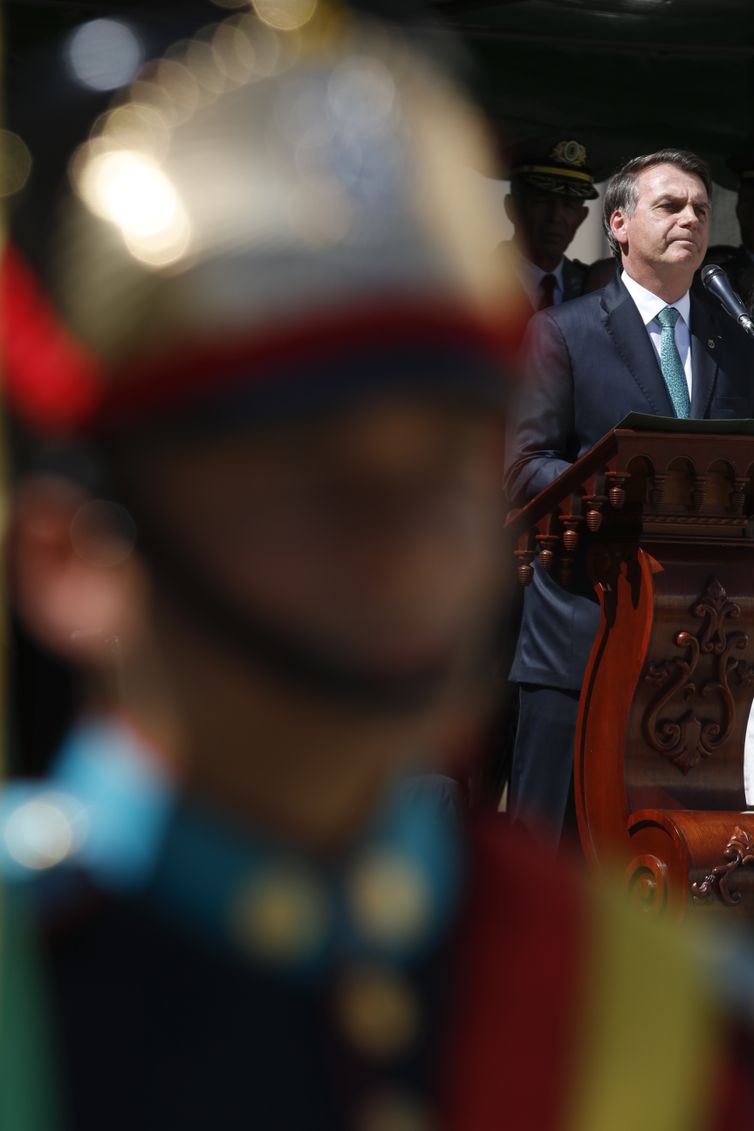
{"x": 671, "y": 364}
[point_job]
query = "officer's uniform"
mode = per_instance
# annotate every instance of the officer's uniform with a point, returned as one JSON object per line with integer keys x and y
{"x": 194, "y": 973}
{"x": 561, "y": 168}
{"x": 179, "y": 972}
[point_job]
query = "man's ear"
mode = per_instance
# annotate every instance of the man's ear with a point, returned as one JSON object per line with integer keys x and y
{"x": 618, "y": 228}
{"x": 75, "y": 579}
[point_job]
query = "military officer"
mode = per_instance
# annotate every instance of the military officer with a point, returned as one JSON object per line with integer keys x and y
{"x": 550, "y": 183}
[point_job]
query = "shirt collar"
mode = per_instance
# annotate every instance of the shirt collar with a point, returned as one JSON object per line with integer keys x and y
{"x": 649, "y": 305}
{"x": 535, "y": 275}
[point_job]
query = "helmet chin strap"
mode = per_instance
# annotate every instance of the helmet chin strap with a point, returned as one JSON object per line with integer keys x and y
{"x": 261, "y": 640}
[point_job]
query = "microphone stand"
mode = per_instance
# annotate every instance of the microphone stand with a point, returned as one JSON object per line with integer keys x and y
{"x": 746, "y": 323}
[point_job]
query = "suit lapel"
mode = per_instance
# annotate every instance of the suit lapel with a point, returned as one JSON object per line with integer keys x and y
{"x": 705, "y": 345}
{"x": 629, "y": 334}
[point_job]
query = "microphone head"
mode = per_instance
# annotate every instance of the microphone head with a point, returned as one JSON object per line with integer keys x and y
{"x": 710, "y": 271}
{"x": 718, "y": 284}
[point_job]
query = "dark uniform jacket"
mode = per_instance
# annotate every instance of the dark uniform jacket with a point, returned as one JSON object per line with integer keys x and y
{"x": 574, "y": 277}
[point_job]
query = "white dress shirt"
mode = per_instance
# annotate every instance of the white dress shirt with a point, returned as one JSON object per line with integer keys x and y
{"x": 649, "y": 306}
{"x": 531, "y": 276}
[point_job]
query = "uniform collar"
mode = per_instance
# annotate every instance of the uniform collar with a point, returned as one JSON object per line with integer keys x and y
{"x": 533, "y": 275}
{"x": 125, "y": 827}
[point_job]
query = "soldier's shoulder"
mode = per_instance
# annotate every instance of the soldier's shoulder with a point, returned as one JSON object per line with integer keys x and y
{"x": 723, "y": 254}
{"x": 41, "y": 829}
{"x": 576, "y": 265}
{"x": 47, "y": 838}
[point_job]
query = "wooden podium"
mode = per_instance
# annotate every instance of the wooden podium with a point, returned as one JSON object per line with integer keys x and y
{"x": 663, "y": 521}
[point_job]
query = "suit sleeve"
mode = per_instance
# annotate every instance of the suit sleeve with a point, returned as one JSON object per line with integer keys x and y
{"x": 541, "y": 429}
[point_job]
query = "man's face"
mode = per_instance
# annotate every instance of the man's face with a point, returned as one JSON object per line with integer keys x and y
{"x": 372, "y": 536}
{"x": 668, "y": 231}
{"x": 745, "y": 213}
{"x": 545, "y": 224}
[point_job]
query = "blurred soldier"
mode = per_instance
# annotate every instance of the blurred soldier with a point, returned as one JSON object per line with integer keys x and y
{"x": 738, "y": 262}
{"x": 271, "y": 547}
{"x": 550, "y": 183}
{"x": 273, "y": 552}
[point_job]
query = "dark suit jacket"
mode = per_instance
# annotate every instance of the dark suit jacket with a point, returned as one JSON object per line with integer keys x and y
{"x": 589, "y": 363}
{"x": 574, "y": 275}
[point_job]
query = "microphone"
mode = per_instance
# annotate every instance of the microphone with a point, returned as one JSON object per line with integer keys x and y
{"x": 718, "y": 284}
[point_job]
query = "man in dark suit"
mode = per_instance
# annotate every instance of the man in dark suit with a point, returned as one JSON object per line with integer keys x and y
{"x": 643, "y": 343}
{"x": 550, "y": 184}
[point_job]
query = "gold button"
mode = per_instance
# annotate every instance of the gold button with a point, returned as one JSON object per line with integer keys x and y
{"x": 392, "y": 1110}
{"x": 389, "y": 898}
{"x": 281, "y": 916}
{"x": 378, "y": 1011}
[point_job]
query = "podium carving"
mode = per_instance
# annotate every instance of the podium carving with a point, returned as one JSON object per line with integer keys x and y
{"x": 663, "y": 522}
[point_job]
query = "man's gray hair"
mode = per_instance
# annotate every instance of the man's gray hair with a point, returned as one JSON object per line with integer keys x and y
{"x": 622, "y": 190}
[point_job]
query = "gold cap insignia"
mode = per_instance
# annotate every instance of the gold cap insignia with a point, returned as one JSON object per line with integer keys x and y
{"x": 570, "y": 153}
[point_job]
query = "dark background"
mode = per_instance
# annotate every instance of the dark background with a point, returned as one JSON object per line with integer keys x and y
{"x": 632, "y": 74}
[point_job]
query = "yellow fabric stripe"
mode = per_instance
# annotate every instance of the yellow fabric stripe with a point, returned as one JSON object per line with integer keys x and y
{"x": 648, "y": 1046}
{"x": 555, "y": 171}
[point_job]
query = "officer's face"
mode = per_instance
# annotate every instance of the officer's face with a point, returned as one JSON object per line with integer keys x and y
{"x": 668, "y": 230}
{"x": 545, "y": 224}
{"x": 372, "y": 536}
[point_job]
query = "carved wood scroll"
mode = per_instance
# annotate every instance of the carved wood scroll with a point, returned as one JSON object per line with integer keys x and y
{"x": 704, "y": 678}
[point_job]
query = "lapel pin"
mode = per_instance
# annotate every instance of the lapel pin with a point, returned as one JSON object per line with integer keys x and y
{"x": 711, "y": 343}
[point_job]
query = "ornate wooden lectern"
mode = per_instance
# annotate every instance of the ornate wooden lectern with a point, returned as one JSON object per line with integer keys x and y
{"x": 664, "y": 523}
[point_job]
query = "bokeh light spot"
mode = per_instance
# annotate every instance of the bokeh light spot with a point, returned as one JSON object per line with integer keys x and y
{"x": 42, "y": 832}
{"x": 104, "y": 54}
{"x": 15, "y": 163}
{"x": 362, "y": 93}
{"x": 130, "y": 190}
{"x": 285, "y": 15}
